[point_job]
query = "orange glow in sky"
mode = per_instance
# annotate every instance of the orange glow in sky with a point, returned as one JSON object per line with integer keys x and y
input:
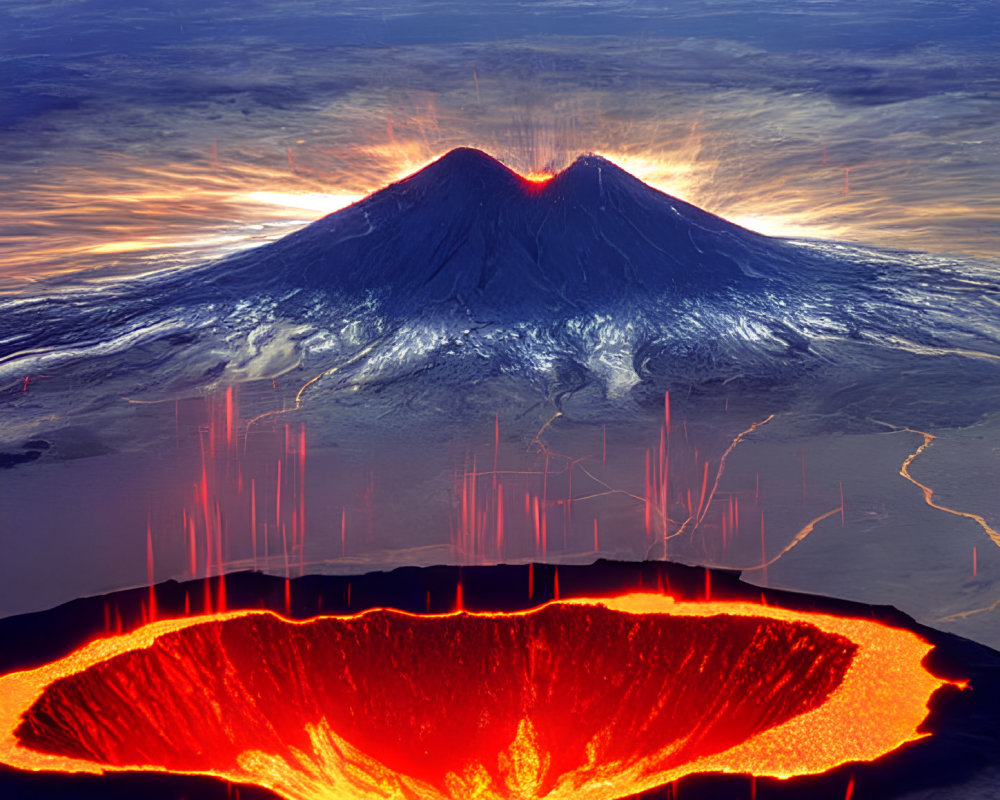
{"x": 538, "y": 177}
{"x": 134, "y": 216}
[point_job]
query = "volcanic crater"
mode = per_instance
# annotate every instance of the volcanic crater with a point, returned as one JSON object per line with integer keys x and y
{"x": 579, "y": 698}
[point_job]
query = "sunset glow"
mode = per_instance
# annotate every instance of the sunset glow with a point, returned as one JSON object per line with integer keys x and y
{"x": 186, "y": 213}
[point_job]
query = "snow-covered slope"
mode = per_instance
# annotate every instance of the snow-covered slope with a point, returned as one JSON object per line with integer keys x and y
{"x": 465, "y": 271}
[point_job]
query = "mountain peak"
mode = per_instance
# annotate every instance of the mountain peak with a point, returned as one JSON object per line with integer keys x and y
{"x": 471, "y": 167}
{"x": 467, "y": 232}
{"x": 591, "y": 161}
{"x": 465, "y": 165}
{"x": 468, "y": 158}
{"x": 591, "y": 168}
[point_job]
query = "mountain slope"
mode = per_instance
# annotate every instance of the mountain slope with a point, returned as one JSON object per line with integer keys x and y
{"x": 591, "y": 283}
{"x": 468, "y": 232}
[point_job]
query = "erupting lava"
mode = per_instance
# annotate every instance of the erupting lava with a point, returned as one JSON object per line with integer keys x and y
{"x": 538, "y": 177}
{"x": 579, "y": 698}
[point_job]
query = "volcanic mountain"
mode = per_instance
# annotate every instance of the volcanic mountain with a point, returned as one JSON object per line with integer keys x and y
{"x": 468, "y": 232}
{"x": 466, "y": 270}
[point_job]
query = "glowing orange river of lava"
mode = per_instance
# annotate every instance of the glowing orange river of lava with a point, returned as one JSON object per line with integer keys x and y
{"x": 579, "y": 698}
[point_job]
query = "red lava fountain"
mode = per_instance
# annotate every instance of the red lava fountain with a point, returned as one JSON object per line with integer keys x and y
{"x": 578, "y": 698}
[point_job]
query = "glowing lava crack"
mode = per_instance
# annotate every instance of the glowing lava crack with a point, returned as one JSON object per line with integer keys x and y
{"x": 576, "y": 699}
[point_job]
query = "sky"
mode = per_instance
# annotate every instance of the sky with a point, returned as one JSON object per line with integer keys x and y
{"x": 140, "y": 138}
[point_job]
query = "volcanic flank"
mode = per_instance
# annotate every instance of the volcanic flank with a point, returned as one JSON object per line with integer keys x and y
{"x": 589, "y": 286}
{"x": 469, "y": 233}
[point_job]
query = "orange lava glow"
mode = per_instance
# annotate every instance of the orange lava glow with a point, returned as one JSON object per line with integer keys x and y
{"x": 531, "y": 704}
{"x": 538, "y": 177}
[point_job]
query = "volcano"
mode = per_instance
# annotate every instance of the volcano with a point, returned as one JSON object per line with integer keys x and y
{"x": 466, "y": 232}
{"x": 466, "y": 270}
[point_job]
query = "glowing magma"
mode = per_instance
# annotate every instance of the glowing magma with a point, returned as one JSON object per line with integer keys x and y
{"x": 576, "y": 699}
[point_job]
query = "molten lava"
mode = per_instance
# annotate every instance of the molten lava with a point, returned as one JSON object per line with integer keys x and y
{"x": 538, "y": 177}
{"x": 576, "y": 699}
{"x": 535, "y": 182}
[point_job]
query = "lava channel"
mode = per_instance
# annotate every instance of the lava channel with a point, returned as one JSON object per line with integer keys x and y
{"x": 581, "y": 698}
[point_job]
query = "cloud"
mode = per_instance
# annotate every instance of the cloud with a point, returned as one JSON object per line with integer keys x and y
{"x": 755, "y": 113}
